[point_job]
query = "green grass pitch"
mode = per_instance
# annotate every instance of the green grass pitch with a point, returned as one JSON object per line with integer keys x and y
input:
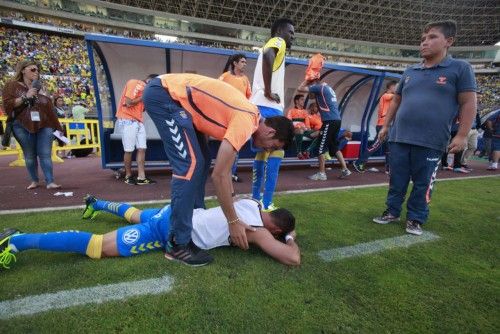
{"x": 451, "y": 285}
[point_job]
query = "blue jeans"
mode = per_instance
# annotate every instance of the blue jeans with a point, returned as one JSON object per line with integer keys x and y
{"x": 188, "y": 154}
{"x": 35, "y": 145}
{"x": 420, "y": 164}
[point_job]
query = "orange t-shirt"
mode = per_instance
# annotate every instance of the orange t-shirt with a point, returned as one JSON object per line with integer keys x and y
{"x": 133, "y": 89}
{"x": 315, "y": 121}
{"x": 299, "y": 117}
{"x": 241, "y": 83}
{"x": 313, "y": 70}
{"x": 217, "y": 108}
{"x": 384, "y": 103}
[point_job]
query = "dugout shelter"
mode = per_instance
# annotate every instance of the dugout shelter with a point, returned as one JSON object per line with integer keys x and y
{"x": 114, "y": 60}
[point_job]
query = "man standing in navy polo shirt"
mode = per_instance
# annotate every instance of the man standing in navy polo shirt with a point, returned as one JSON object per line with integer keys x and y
{"x": 428, "y": 98}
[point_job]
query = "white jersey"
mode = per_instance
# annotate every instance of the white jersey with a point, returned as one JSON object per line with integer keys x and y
{"x": 210, "y": 227}
{"x": 277, "y": 80}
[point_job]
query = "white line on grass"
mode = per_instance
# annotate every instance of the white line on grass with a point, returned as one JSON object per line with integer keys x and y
{"x": 93, "y": 295}
{"x": 376, "y": 246}
{"x": 285, "y": 192}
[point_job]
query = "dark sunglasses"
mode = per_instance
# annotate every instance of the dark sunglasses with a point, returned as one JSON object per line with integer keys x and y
{"x": 34, "y": 69}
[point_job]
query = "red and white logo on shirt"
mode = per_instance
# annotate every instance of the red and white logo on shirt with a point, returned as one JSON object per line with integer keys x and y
{"x": 441, "y": 81}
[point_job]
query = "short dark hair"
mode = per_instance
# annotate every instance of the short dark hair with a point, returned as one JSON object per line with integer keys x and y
{"x": 151, "y": 76}
{"x": 391, "y": 83}
{"x": 297, "y": 97}
{"x": 283, "y": 219}
{"x": 284, "y": 129}
{"x": 279, "y": 24}
{"x": 447, "y": 27}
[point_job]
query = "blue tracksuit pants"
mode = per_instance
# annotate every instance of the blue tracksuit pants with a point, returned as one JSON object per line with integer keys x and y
{"x": 418, "y": 164}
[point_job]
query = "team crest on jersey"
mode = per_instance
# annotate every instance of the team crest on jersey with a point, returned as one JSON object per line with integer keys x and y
{"x": 183, "y": 114}
{"x": 441, "y": 81}
{"x": 407, "y": 79}
{"x": 131, "y": 236}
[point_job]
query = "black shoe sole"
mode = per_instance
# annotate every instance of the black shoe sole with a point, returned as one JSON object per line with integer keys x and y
{"x": 171, "y": 258}
{"x": 5, "y": 234}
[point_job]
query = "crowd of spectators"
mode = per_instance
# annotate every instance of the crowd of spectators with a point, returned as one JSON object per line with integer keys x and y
{"x": 65, "y": 66}
{"x": 78, "y": 26}
{"x": 88, "y": 27}
{"x": 489, "y": 97}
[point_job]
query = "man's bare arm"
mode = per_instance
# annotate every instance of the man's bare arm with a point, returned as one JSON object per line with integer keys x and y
{"x": 221, "y": 178}
{"x": 304, "y": 87}
{"x": 267, "y": 73}
{"x": 132, "y": 102}
{"x": 288, "y": 253}
{"x": 467, "y": 112}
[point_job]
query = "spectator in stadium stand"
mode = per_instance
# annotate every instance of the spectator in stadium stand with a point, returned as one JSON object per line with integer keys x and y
{"x": 385, "y": 101}
{"x": 493, "y": 124}
{"x": 471, "y": 142}
{"x": 423, "y": 109}
{"x": 186, "y": 109}
{"x": 130, "y": 121}
{"x": 268, "y": 93}
{"x": 326, "y": 100}
{"x": 234, "y": 74}
{"x": 59, "y": 108}
{"x": 34, "y": 121}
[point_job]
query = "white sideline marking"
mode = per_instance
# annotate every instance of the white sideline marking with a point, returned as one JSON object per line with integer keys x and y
{"x": 285, "y": 192}
{"x": 376, "y": 246}
{"x": 93, "y": 295}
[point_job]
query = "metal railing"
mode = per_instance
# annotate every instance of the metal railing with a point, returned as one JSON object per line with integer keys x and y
{"x": 82, "y": 134}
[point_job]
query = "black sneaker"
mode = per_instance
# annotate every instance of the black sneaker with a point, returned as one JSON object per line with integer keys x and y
{"x": 188, "y": 254}
{"x": 130, "y": 180}
{"x": 359, "y": 167}
{"x": 386, "y": 218}
{"x": 413, "y": 227}
{"x": 146, "y": 181}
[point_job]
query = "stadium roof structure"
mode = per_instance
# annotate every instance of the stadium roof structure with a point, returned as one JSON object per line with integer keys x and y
{"x": 385, "y": 21}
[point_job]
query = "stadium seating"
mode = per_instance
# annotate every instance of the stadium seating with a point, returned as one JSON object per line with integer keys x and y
{"x": 67, "y": 70}
{"x": 65, "y": 67}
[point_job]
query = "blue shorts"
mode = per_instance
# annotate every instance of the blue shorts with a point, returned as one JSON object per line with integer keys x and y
{"x": 150, "y": 234}
{"x": 267, "y": 112}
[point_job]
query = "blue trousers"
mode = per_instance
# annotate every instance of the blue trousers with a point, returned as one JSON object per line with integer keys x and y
{"x": 188, "y": 154}
{"x": 363, "y": 158}
{"x": 416, "y": 163}
{"x": 36, "y": 145}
